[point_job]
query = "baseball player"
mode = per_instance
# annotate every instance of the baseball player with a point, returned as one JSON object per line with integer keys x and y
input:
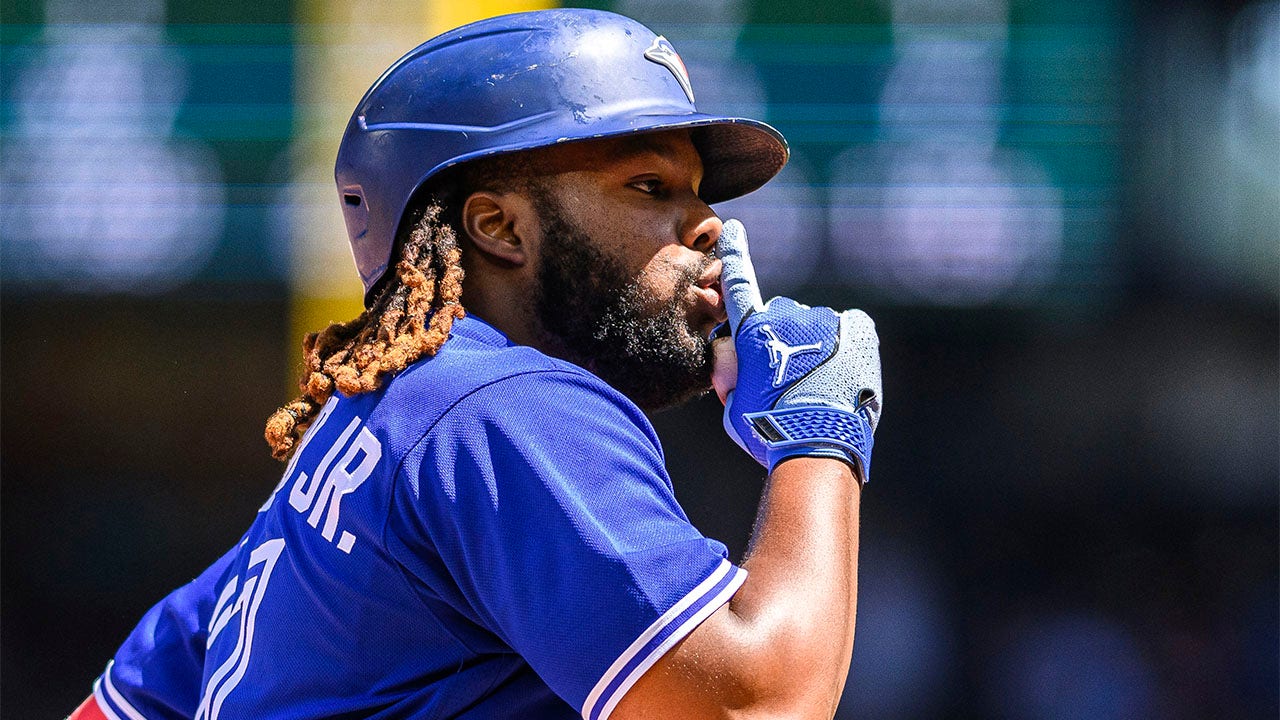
{"x": 475, "y": 520}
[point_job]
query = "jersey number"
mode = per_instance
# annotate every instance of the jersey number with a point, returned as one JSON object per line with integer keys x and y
{"x": 239, "y": 602}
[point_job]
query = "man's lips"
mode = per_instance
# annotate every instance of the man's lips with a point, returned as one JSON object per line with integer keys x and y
{"x": 708, "y": 291}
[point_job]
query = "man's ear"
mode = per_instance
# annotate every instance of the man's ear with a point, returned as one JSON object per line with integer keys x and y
{"x": 494, "y": 222}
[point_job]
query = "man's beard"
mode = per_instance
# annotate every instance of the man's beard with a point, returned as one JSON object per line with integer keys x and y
{"x": 603, "y": 319}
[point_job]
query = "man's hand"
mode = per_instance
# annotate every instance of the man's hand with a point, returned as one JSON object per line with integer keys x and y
{"x": 808, "y": 379}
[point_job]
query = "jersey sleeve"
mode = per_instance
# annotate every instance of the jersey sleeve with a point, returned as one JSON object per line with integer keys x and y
{"x": 546, "y": 499}
{"x": 156, "y": 674}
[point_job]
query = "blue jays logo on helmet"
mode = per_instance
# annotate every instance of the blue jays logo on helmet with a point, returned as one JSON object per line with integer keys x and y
{"x": 662, "y": 53}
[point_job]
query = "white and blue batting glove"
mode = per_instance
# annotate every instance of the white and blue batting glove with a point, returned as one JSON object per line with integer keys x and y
{"x": 808, "y": 378}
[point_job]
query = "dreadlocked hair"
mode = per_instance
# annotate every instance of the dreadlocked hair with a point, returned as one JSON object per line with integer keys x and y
{"x": 410, "y": 319}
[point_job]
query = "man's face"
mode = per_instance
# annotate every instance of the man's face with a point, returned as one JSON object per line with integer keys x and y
{"x": 626, "y": 281}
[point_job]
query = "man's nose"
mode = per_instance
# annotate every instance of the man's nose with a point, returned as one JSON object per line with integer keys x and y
{"x": 703, "y": 234}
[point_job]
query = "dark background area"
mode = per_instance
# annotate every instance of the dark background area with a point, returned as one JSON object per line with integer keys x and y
{"x": 1075, "y": 500}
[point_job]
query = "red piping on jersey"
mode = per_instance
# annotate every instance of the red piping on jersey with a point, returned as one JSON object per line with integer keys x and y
{"x": 88, "y": 710}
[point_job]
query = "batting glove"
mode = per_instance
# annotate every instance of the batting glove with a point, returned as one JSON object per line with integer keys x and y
{"x": 808, "y": 378}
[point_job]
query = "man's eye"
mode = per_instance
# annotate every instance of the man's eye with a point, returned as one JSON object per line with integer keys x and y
{"x": 649, "y": 187}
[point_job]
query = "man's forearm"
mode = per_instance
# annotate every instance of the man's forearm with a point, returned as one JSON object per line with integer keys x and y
{"x": 800, "y": 597}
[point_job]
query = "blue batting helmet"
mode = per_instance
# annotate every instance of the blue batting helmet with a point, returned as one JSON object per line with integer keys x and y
{"x": 518, "y": 82}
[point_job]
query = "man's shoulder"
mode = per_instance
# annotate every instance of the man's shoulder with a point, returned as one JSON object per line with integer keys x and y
{"x": 474, "y": 374}
{"x": 465, "y": 364}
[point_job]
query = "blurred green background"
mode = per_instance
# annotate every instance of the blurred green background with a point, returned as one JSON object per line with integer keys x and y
{"x": 1065, "y": 219}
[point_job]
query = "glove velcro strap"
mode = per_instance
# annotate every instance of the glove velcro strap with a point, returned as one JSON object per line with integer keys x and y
{"x": 815, "y": 431}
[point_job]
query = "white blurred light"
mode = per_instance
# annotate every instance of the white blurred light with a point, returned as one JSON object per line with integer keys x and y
{"x": 786, "y": 225}
{"x": 937, "y": 211}
{"x": 956, "y": 225}
{"x": 1252, "y": 139}
{"x": 100, "y": 195}
{"x": 1212, "y": 162}
{"x": 1253, "y": 90}
{"x": 943, "y": 91}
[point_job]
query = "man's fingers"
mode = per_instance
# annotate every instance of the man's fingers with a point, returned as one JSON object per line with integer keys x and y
{"x": 724, "y": 368}
{"x": 738, "y": 279}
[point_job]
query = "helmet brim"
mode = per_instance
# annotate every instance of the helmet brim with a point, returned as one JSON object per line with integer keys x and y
{"x": 739, "y": 155}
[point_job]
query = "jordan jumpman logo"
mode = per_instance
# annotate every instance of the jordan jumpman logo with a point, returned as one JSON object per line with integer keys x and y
{"x": 780, "y": 353}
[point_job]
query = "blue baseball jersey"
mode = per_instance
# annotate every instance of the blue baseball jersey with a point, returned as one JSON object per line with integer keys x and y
{"x": 491, "y": 534}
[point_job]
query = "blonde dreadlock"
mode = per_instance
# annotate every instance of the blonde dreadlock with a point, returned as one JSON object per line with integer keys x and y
{"x": 410, "y": 319}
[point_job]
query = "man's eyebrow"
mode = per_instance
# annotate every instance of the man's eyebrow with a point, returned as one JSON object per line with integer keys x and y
{"x": 639, "y": 146}
{"x": 634, "y": 147}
